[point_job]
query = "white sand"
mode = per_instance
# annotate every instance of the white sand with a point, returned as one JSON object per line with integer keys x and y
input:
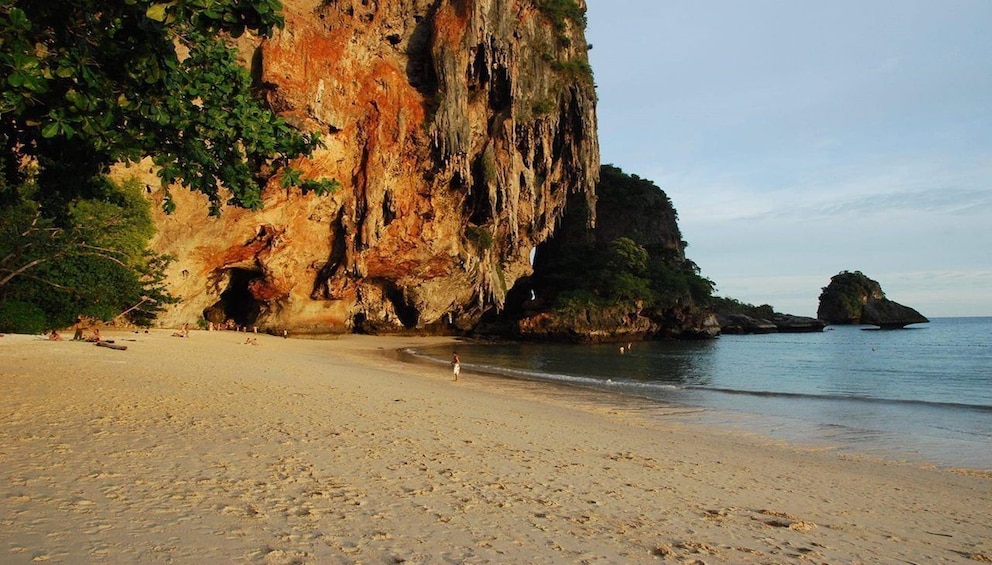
{"x": 208, "y": 450}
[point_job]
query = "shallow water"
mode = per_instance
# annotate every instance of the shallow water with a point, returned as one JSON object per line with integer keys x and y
{"x": 923, "y": 393}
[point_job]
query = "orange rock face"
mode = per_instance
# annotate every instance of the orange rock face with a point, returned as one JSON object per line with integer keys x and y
{"x": 456, "y": 132}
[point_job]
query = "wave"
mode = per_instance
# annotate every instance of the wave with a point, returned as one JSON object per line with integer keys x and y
{"x": 593, "y": 382}
{"x": 844, "y": 398}
{"x": 663, "y": 390}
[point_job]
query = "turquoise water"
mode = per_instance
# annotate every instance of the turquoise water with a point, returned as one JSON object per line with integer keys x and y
{"x": 923, "y": 393}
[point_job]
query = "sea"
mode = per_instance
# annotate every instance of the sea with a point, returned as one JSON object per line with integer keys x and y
{"x": 919, "y": 394}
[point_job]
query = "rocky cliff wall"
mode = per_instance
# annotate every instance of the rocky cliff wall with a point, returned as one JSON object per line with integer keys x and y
{"x": 457, "y": 128}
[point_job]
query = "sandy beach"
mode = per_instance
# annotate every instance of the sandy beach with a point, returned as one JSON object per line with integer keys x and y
{"x": 208, "y": 449}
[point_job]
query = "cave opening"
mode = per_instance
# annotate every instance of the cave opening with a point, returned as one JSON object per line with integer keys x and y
{"x": 501, "y": 90}
{"x": 237, "y": 303}
{"x": 359, "y": 324}
{"x": 407, "y": 312}
{"x": 477, "y": 205}
{"x": 420, "y": 61}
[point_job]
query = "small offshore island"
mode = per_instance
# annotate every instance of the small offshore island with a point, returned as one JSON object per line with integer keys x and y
{"x": 853, "y": 298}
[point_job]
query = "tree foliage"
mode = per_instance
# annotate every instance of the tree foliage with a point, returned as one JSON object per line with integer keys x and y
{"x": 726, "y": 305}
{"x": 855, "y": 284}
{"x": 89, "y": 83}
{"x": 92, "y": 264}
{"x": 847, "y": 293}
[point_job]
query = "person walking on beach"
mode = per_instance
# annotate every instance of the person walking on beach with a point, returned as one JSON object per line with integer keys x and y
{"x": 456, "y": 364}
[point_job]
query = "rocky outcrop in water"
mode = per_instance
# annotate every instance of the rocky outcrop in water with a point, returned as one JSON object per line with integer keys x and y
{"x": 457, "y": 129}
{"x": 853, "y": 298}
{"x": 776, "y": 323}
{"x": 888, "y": 314}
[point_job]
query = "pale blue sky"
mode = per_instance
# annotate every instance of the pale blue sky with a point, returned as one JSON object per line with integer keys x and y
{"x": 799, "y": 139}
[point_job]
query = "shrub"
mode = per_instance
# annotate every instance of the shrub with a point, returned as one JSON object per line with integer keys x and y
{"x": 562, "y": 11}
{"x": 722, "y": 305}
{"x": 577, "y": 300}
{"x": 574, "y": 69}
{"x": 93, "y": 262}
{"x": 543, "y": 106}
{"x": 21, "y": 317}
{"x": 481, "y": 237}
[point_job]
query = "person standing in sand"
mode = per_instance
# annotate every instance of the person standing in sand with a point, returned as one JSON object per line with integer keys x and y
{"x": 78, "y": 327}
{"x": 456, "y": 365}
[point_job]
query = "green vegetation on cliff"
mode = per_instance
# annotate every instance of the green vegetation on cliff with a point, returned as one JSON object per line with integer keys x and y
{"x": 573, "y": 68}
{"x": 562, "y": 11}
{"x": 726, "y": 306}
{"x": 843, "y": 299}
{"x": 633, "y": 256}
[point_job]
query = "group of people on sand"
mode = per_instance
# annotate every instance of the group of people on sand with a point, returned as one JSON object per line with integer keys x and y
{"x": 94, "y": 336}
{"x": 230, "y": 325}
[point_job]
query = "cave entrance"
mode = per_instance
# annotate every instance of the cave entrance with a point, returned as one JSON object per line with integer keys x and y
{"x": 407, "y": 312}
{"x": 237, "y": 303}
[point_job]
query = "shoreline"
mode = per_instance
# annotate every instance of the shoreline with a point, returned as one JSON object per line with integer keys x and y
{"x": 336, "y": 450}
{"x": 786, "y": 429}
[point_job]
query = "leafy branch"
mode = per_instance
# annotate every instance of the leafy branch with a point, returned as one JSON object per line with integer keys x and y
{"x": 93, "y": 82}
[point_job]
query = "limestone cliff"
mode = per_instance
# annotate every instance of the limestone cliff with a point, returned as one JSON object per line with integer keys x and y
{"x": 457, "y": 128}
{"x": 624, "y": 278}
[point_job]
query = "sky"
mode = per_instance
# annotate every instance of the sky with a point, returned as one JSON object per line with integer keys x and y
{"x": 798, "y": 139}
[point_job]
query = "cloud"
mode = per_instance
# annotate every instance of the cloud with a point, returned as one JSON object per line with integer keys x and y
{"x": 954, "y": 202}
{"x": 844, "y": 193}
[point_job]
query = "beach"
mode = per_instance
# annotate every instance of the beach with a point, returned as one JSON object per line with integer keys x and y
{"x": 212, "y": 448}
